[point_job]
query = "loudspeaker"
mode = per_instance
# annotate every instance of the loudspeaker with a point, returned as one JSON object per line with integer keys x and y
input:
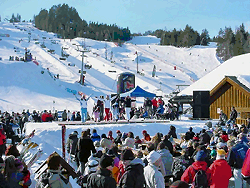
{"x": 201, "y": 97}
{"x": 201, "y": 111}
{"x": 201, "y": 103}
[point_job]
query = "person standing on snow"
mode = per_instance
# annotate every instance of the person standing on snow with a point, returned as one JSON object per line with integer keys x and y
{"x": 107, "y": 108}
{"x": 127, "y": 107}
{"x": 84, "y": 104}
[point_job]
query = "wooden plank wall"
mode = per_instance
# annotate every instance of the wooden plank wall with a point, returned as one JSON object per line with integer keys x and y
{"x": 226, "y": 97}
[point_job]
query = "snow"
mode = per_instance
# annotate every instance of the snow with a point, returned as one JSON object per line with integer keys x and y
{"x": 23, "y": 86}
{"x": 237, "y": 66}
{"x": 30, "y": 85}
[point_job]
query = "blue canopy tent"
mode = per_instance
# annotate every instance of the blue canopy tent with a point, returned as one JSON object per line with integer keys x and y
{"x": 138, "y": 92}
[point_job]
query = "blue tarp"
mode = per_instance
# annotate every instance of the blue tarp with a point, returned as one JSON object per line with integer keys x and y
{"x": 138, "y": 92}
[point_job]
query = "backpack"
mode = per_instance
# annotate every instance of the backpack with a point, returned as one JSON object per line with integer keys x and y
{"x": 200, "y": 179}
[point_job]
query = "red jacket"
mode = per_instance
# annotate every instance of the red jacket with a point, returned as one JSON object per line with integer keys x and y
{"x": 2, "y": 137}
{"x": 147, "y": 137}
{"x": 188, "y": 175}
{"x": 224, "y": 138}
{"x": 154, "y": 103}
{"x": 220, "y": 173}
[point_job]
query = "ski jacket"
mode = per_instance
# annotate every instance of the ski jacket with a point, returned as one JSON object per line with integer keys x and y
{"x": 2, "y": 137}
{"x": 127, "y": 102}
{"x": 72, "y": 144}
{"x": 133, "y": 176}
{"x": 189, "y": 173}
{"x": 233, "y": 114}
{"x": 220, "y": 173}
{"x": 129, "y": 142}
{"x": 154, "y": 103}
{"x": 85, "y": 146}
{"x": 167, "y": 160}
{"x": 237, "y": 155}
{"x": 15, "y": 178}
{"x": 107, "y": 103}
{"x": 101, "y": 179}
{"x": 106, "y": 143}
{"x": 53, "y": 179}
{"x": 153, "y": 177}
{"x": 95, "y": 137}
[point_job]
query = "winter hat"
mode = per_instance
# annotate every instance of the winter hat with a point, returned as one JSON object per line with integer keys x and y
{"x": 106, "y": 161}
{"x": 153, "y": 157}
{"x": 18, "y": 164}
{"x": 221, "y": 154}
{"x": 118, "y": 131}
{"x": 104, "y": 136}
{"x": 179, "y": 184}
{"x": 127, "y": 154}
{"x": 144, "y": 131}
{"x": 110, "y": 133}
{"x": 200, "y": 156}
{"x": 75, "y": 133}
{"x": 92, "y": 165}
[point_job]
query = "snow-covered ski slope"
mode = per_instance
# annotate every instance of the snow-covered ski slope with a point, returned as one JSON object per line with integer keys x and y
{"x": 21, "y": 82}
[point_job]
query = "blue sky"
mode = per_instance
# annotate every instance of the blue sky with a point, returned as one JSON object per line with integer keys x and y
{"x": 143, "y": 15}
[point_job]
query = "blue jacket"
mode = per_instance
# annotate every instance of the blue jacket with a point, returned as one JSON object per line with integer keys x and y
{"x": 237, "y": 155}
{"x": 95, "y": 137}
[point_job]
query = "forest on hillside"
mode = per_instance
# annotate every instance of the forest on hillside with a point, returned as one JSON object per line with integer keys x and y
{"x": 66, "y": 22}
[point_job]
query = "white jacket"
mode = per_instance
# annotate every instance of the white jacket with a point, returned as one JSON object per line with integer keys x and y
{"x": 153, "y": 177}
{"x": 130, "y": 142}
{"x": 107, "y": 103}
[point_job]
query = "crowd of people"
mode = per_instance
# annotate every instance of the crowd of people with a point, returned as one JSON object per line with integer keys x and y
{"x": 208, "y": 158}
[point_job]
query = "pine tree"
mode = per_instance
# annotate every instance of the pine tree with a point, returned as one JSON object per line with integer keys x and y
{"x": 204, "y": 37}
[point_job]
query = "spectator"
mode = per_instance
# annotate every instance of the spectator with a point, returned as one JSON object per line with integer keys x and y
{"x": 53, "y": 177}
{"x": 172, "y": 132}
{"x": 199, "y": 164}
{"x": 118, "y": 139}
{"x": 64, "y": 115}
{"x": 233, "y": 116}
{"x": 85, "y": 146}
{"x": 236, "y": 156}
{"x": 204, "y": 137}
{"x": 71, "y": 144}
{"x": 220, "y": 171}
{"x": 102, "y": 178}
{"x": 146, "y": 136}
{"x": 133, "y": 176}
{"x": 106, "y": 143}
{"x": 153, "y": 177}
{"x": 95, "y": 137}
{"x": 167, "y": 159}
{"x": 190, "y": 134}
{"x": 168, "y": 144}
{"x": 110, "y": 137}
{"x": 129, "y": 141}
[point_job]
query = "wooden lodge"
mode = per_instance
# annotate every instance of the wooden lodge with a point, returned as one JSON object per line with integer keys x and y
{"x": 227, "y": 93}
